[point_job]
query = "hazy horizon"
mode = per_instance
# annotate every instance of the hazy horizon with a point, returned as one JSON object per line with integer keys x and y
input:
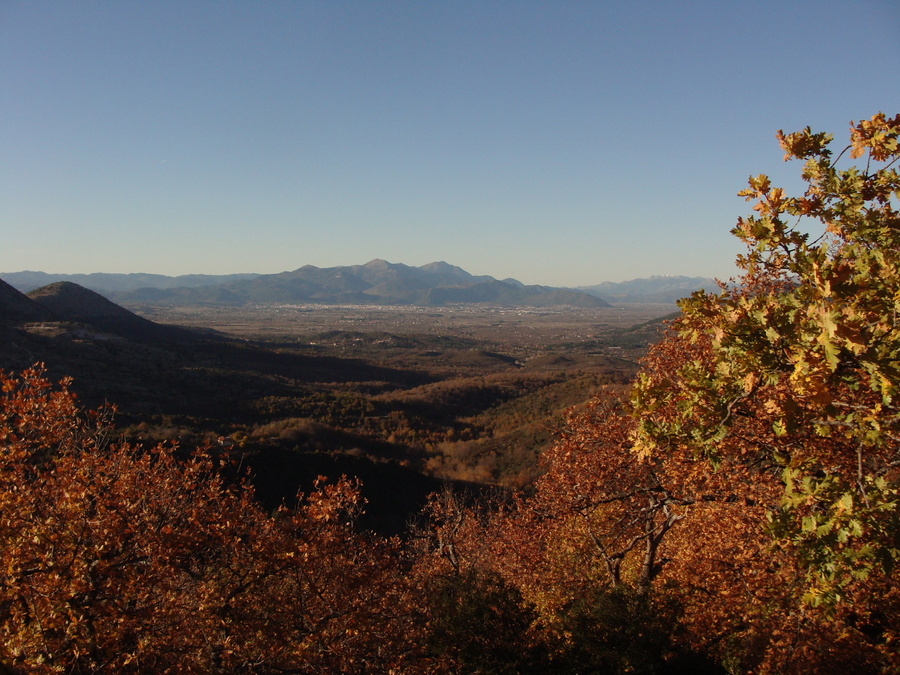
{"x": 7, "y": 273}
{"x": 557, "y": 144}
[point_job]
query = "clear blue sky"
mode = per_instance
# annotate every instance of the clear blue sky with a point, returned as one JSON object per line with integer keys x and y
{"x": 561, "y": 143}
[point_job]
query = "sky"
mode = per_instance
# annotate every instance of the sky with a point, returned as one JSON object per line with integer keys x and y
{"x": 558, "y": 143}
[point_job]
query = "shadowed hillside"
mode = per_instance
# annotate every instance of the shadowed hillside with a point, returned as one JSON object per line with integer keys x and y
{"x": 16, "y": 308}
{"x": 66, "y": 301}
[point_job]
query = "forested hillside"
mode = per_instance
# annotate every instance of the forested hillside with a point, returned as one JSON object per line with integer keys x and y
{"x": 736, "y": 510}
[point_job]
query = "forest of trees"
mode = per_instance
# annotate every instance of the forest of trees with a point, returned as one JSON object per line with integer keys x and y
{"x": 737, "y": 511}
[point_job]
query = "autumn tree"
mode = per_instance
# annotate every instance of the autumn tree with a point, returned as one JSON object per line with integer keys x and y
{"x": 123, "y": 559}
{"x": 803, "y": 371}
{"x": 591, "y": 547}
{"x": 472, "y": 619}
{"x": 748, "y": 487}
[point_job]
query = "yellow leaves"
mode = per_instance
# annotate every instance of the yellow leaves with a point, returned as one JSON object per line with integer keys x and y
{"x": 771, "y": 202}
{"x": 878, "y": 135}
{"x": 809, "y": 524}
{"x": 826, "y": 337}
{"x": 775, "y": 200}
{"x": 718, "y": 334}
{"x": 747, "y": 229}
{"x": 759, "y": 186}
{"x": 643, "y": 446}
{"x": 809, "y": 380}
{"x": 817, "y": 596}
{"x": 844, "y": 505}
{"x": 803, "y": 144}
{"x": 751, "y": 379}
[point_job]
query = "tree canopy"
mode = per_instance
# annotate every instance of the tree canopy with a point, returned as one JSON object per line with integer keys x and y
{"x": 809, "y": 341}
{"x": 752, "y": 478}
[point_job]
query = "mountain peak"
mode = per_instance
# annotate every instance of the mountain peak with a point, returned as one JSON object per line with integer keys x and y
{"x": 439, "y": 265}
{"x": 379, "y": 263}
{"x": 445, "y": 268}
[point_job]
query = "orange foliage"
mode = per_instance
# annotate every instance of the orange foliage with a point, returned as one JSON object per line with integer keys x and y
{"x": 120, "y": 559}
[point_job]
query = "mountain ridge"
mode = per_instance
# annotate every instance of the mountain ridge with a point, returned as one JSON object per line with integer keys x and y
{"x": 29, "y": 280}
{"x": 657, "y": 288}
{"x": 375, "y": 282}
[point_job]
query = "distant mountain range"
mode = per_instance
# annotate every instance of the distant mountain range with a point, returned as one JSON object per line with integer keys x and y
{"x": 104, "y": 283}
{"x": 378, "y": 282}
{"x": 663, "y": 289}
